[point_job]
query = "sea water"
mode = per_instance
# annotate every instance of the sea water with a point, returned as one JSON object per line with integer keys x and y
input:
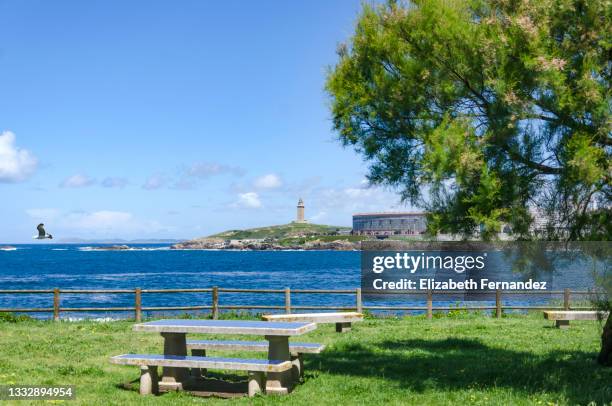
{"x": 154, "y": 266}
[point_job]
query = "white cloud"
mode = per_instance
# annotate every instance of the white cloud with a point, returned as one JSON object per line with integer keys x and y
{"x": 360, "y": 193}
{"x": 99, "y": 220}
{"x": 188, "y": 177}
{"x": 43, "y": 214}
{"x": 183, "y": 184}
{"x": 110, "y": 223}
{"x": 339, "y": 204}
{"x": 154, "y": 182}
{"x": 248, "y": 200}
{"x": 206, "y": 169}
{"x": 320, "y": 216}
{"x": 101, "y": 223}
{"x": 114, "y": 182}
{"x": 269, "y": 181}
{"x": 359, "y": 199}
{"x": 77, "y": 181}
{"x": 16, "y": 164}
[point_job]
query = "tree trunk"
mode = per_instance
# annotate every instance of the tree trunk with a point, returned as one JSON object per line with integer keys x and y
{"x": 605, "y": 355}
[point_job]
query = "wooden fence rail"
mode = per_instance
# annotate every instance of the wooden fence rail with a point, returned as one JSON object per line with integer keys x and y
{"x": 288, "y": 307}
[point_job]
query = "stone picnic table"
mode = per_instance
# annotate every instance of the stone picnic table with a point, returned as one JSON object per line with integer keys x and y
{"x": 276, "y": 333}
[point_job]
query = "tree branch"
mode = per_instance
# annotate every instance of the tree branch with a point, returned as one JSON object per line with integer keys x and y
{"x": 545, "y": 169}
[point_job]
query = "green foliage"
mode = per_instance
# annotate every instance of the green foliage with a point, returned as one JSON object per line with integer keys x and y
{"x": 488, "y": 106}
{"x": 13, "y": 318}
{"x": 322, "y": 238}
{"x": 457, "y": 310}
{"x": 239, "y": 315}
{"x": 367, "y": 314}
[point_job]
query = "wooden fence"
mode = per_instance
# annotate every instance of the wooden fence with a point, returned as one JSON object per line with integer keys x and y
{"x": 215, "y": 307}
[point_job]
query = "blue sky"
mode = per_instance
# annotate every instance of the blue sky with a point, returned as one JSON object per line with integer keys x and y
{"x": 160, "y": 119}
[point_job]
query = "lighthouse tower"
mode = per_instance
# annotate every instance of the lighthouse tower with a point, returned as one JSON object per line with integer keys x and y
{"x": 300, "y": 212}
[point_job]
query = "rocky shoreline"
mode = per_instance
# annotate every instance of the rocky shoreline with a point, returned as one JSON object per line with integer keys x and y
{"x": 122, "y": 247}
{"x": 257, "y": 245}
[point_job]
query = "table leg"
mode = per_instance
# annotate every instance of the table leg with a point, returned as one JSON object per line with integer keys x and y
{"x": 198, "y": 372}
{"x": 148, "y": 380}
{"x": 298, "y": 366}
{"x": 343, "y": 327}
{"x": 256, "y": 380}
{"x": 173, "y": 378}
{"x": 279, "y": 382}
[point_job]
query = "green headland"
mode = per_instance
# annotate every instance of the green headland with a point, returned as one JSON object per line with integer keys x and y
{"x": 285, "y": 236}
{"x": 283, "y": 231}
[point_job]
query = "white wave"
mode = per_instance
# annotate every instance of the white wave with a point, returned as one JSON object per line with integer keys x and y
{"x": 150, "y": 249}
{"x": 110, "y": 249}
{"x": 21, "y": 278}
{"x": 122, "y": 276}
{"x": 240, "y": 273}
{"x": 101, "y": 298}
{"x": 64, "y": 275}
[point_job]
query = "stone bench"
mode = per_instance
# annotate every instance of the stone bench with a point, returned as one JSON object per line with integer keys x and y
{"x": 562, "y": 317}
{"x": 296, "y": 348}
{"x": 343, "y": 320}
{"x": 199, "y": 347}
{"x": 149, "y": 379}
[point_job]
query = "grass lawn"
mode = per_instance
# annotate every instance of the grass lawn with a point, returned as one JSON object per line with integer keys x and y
{"x": 465, "y": 359}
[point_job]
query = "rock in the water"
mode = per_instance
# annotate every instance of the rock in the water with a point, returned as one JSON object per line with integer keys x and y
{"x": 111, "y": 248}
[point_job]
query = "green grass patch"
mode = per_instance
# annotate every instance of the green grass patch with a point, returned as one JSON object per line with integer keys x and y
{"x": 462, "y": 359}
{"x": 321, "y": 238}
{"x": 280, "y": 231}
{"x": 13, "y": 318}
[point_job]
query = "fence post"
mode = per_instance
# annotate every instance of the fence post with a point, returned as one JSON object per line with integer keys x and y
{"x": 215, "y": 303}
{"x": 566, "y": 299}
{"x": 138, "y": 305}
{"x": 429, "y": 305}
{"x": 287, "y": 300}
{"x": 56, "y": 304}
{"x": 358, "y": 300}
{"x": 498, "y": 303}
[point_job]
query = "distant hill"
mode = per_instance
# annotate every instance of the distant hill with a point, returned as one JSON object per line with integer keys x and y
{"x": 283, "y": 231}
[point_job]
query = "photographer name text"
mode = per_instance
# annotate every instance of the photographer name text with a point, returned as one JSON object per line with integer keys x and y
{"x": 450, "y": 284}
